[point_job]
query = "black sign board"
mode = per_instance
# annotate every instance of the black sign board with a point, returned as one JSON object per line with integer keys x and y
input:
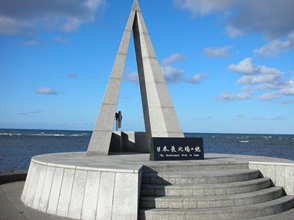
{"x": 177, "y": 149}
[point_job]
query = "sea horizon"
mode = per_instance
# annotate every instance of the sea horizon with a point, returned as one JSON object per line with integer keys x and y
{"x": 18, "y": 146}
{"x": 185, "y": 132}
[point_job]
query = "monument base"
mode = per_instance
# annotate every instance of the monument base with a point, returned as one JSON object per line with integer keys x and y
{"x": 129, "y": 141}
{"x": 81, "y": 187}
{"x": 77, "y": 186}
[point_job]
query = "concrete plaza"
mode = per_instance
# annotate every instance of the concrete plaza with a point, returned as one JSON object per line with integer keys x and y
{"x": 11, "y": 206}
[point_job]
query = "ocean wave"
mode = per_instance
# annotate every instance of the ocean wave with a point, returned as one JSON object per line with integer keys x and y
{"x": 57, "y": 135}
{"x": 51, "y": 135}
{"x": 9, "y": 134}
{"x": 244, "y": 137}
{"x": 36, "y": 133}
{"x": 42, "y": 134}
{"x": 6, "y": 134}
{"x": 244, "y": 141}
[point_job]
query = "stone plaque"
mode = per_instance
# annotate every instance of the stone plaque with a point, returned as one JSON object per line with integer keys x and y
{"x": 177, "y": 149}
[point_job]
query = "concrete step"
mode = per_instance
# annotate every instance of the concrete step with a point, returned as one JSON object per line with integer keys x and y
{"x": 186, "y": 166}
{"x": 192, "y": 202}
{"x": 200, "y": 177}
{"x": 205, "y": 189}
{"x": 238, "y": 212}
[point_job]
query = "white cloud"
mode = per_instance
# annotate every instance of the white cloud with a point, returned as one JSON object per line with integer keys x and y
{"x": 277, "y": 118}
{"x": 172, "y": 74}
{"x": 72, "y": 75}
{"x": 269, "y": 96}
{"x": 258, "y": 78}
{"x": 24, "y": 18}
{"x": 10, "y": 26}
{"x": 61, "y": 40}
{"x": 275, "y": 47}
{"x": 203, "y": 7}
{"x": 287, "y": 101}
{"x": 218, "y": 52}
{"x": 131, "y": 77}
{"x": 288, "y": 89}
{"x": 245, "y": 66}
{"x": 197, "y": 78}
{"x": 227, "y": 96}
{"x": 267, "y": 86}
{"x": 32, "y": 112}
{"x": 271, "y": 18}
{"x": 35, "y": 112}
{"x": 233, "y": 32}
{"x": 253, "y": 74}
{"x": 46, "y": 91}
{"x": 284, "y": 89}
{"x": 173, "y": 58}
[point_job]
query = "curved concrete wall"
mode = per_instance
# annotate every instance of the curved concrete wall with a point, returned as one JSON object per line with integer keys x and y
{"x": 82, "y": 192}
{"x": 281, "y": 174}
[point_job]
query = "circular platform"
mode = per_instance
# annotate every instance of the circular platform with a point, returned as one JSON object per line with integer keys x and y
{"x": 103, "y": 187}
{"x": 134, "y": 161}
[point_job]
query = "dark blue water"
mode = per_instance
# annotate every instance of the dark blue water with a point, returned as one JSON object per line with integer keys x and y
{"x": 17, "y": 147}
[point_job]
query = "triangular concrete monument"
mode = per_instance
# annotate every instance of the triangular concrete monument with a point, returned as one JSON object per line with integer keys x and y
{"x": 159, "y": 114}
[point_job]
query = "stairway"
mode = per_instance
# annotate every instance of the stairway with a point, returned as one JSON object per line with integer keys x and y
{"x": 213, "y": 191}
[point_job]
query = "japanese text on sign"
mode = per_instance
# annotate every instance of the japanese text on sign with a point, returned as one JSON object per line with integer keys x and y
{"x": 177, "y": 149}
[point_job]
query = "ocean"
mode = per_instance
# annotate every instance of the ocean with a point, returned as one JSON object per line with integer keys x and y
{"x": 18, "y": 146}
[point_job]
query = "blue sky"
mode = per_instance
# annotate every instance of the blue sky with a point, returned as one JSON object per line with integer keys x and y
{"x": 229, "y": 65}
